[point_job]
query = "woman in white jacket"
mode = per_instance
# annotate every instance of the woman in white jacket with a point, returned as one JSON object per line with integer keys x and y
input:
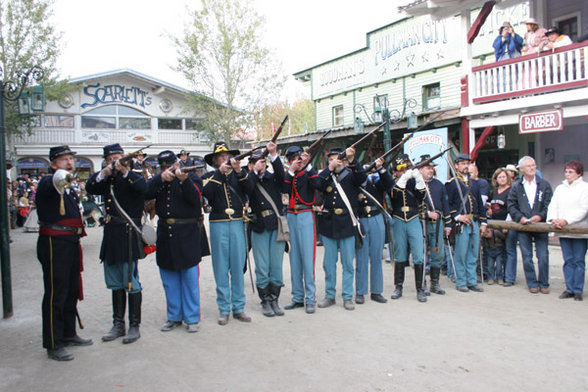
{"x": 570, "y": 205}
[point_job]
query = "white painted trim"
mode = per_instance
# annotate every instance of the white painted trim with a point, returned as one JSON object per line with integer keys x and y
{"x": 577, "y": 15}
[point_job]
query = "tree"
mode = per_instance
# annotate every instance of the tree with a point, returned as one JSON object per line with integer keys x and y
{"x": 235, "y": 76}
{"x": 300, "y": 119}
{"x": 27, "y": 38}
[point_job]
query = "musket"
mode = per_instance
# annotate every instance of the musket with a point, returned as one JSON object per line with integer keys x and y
{"x": 313, "y": 149}
{"x": 431, "y": 159}
{"x": 372, "y": 165}
{"x": 276, "y": 135}
{"x": 343, "y": 154}
{"x": 246, "y": 154}
{"x": 130, "y": 156}
{"x": 187, "y": 169}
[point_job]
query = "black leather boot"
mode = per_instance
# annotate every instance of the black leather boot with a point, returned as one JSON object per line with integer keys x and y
{"x": 133, "y": 335}
{"x": 274, "y": 295}
{"x": 266, "y": 308}
{"x": 435, "y": 286}
{"x": 398, "y": 279}
{"x": 418, "y": 280}
{"x": 119, "y": 302}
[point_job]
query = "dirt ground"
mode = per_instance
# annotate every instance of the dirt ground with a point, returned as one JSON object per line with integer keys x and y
{"x": 502, "y": 339}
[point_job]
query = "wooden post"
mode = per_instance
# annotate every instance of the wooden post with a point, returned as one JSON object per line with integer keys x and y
{"x": 542, "y": 227}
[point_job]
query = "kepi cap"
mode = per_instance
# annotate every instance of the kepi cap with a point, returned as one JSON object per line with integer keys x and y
{"x": 58, "y": 151}
{"x": 462, "y": 156}
{"x": 166, "y": 158}
{"x": 112, "y": 149}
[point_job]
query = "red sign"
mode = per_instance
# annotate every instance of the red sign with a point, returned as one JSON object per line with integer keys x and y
{"x": 549, "y": 120}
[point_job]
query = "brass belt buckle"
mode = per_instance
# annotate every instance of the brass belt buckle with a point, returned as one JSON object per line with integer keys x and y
{"x": 229, "y": 211}
{"x": 170, "y": 221}
{"x": 79, "y": 230}
{"x": 405, "y": 209}
{"x": 338, "y": 211}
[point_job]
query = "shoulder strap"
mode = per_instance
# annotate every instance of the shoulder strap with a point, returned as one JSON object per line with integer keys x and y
{"x": 122, "y": 211}
{"x": 268, "y": 197}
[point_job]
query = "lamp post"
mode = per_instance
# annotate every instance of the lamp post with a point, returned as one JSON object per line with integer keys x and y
{"x": 10, "y": 90}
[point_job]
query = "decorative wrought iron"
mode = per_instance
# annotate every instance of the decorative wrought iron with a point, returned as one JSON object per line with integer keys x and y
{"x": 11, "y": 89}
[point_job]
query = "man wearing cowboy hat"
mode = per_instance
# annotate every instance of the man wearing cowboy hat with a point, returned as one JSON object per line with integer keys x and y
{"x": 468, "y": 215}
{"x": 120, "y": 240}
{"x": 59, "y": 251}
{"x": 437, "y": 219}
{"x": 407, "y": 196}
{"x": 185, "y": 159}
{"x": 535, "y": 37}
{"x": 226, "y": 192}
{"x": 177, "y": 203}
{"x": 267, "y": 251}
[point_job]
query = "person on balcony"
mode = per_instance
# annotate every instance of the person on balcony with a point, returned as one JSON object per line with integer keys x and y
{"x": 535, "y": 37}
{"x": 508, "y": 44}
{"x": 556, "y": 39}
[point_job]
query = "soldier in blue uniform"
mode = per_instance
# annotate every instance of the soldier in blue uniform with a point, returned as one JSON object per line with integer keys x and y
{"x": 300, "y": 183}
{"x": 59, "y": 251}
{"x": 437, "y": 219}
{"x": 468, "y": 223}
{"x": 138, "y": 163}
{"x": 369, "y": 256}
{"x": 184, "y": 158}
{"x": 407, "y": 196}
{"x": 177, "y": 203}
{"x": 336, "y": 225}
{"x": 226, "y": 191}
{"x": 267, "y": 251}
{"x": 121, "y": 245}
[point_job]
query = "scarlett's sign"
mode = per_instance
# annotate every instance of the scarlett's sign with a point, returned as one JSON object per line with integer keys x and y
{"x": 550, "y": 120}
{"x": 115, "y": 93}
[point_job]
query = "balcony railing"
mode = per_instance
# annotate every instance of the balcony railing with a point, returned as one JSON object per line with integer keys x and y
{"x": 548, "y": 71}
{"x": 52, "y": 136}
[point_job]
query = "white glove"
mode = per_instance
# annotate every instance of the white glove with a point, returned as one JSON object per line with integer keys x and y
{"x": 401, "y": 183}
{"x": 420, "y": 181}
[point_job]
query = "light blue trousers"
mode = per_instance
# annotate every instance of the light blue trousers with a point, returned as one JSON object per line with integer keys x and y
{"x": 332, "y": 247}
{"x": 116, "y": 277}
{"x": 408, "y": 236}
{"x": 369, "y": 256}
{"x": 302, "y": 250}
{"x": 467, "y": 248}
{"x": 227, "y": 248}
{"x": 268, "y": 254}
{"x": 182, "y": 294}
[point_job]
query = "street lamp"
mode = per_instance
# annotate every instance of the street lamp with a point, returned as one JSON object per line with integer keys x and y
{"x": 11, "y": 90}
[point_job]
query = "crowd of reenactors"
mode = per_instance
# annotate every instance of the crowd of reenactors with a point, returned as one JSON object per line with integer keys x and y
{"x": 355, "y": 209}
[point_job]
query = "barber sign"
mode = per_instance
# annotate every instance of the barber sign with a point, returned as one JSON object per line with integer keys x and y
{"x": 546, "y": 121}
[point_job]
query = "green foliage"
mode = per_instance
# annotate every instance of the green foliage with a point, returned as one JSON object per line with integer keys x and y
{"x": 221, "y": 55}
{"x": 300, "y": 119}
{"x": 27, "y": 38}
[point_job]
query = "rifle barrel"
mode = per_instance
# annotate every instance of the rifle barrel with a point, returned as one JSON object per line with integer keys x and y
{"x": 343, "y": 154}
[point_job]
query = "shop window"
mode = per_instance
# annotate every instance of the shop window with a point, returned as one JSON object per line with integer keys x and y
{"x": 134, "y": 123}
{"x": 432, "y": 96}
{"x": 169, "y": 123}
{"x": 338, "y": 116}
{"x": 193, "y": 124}
{"x": 59, "y": 121}
{"x": 106, "y": 117}
{"x": 568, "y": 24}
{"x": 98, "y": 122}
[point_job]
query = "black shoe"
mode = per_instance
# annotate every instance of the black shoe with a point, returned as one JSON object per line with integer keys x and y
{"x": 359, "y": 299}
{"x": 133, "y": 334}
{"x": 421, "y": 296}
{"x": 566, "y": 294}
{"x": 274, "y": 292}
{"x": 463, "y": 289}
{"x": 578, "y": 297}
{"x": 294, "y": 305}
{"x": 476, "y": 288}
{"x": 378, "y": 298}
{"x": 60, "y": 354}
{"x": 508, "y": 284}
{"x": 77, "y": 341}
{"x": 310, "y": 308}
{"x": 397, "y": 292}
{"x": 117, "y": 330}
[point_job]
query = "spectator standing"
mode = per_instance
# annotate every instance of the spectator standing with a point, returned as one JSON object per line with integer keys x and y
{"x": 508, "y": 44}
{"x": 535, "y": 37}
{"x": 570, "y": 205}
{"x": 495, "y": 242}
{"x": 527, "y": 204}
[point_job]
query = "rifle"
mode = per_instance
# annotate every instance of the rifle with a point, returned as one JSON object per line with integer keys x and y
{"x": 313, "y": 149}
{"x": 431, "y": 159}
{"x": 187, "y": 169}
{"x": 246, "y": 154}
{"x": 275, "y": 137}
{"x": 130, "y": 156}
{"x": 343, "y": 154}
{"x": 372, "y": 166}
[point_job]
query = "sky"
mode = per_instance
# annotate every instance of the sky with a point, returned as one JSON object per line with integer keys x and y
{"x": 106, "y": 35}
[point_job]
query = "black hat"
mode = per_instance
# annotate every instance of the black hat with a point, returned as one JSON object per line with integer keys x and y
{"x": 462, "y": 156}
{"x": 198, "y": 161}
{"x": 112, "y": 149}
{"x": 166, "y": 158}
{"x": 256, "y": 156}
{"x": 553, "y": 29}
{"x": 219, "y": 147}
{"x": 424, "y": 158}
{"x": 183, "y": 152}
{"x": 402, "y": 161}
{"x": 335, "y": 150}
{"x": 292, "y": 151}
{"x": 58, "y": 151}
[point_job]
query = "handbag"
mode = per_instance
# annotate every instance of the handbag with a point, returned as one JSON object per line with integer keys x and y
{"x": 283, "y": 229}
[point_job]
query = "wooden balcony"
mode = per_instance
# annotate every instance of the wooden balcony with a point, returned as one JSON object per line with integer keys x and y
{"x": 549, "y": 71}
